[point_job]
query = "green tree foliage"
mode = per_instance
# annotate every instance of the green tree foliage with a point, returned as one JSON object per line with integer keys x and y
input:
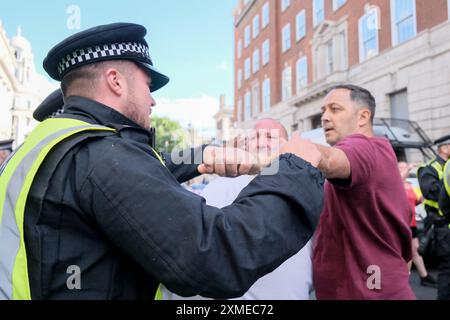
{"x": 169, "y": 134}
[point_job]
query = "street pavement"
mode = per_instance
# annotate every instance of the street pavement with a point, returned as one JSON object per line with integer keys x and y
{"x": 422, "y": 293}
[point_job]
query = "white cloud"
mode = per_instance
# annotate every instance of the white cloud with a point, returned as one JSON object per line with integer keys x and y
{"x": 222, "y": 66}
{"x": 197, "y": 112}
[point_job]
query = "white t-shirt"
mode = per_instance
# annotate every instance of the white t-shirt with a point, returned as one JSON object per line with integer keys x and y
{"x": 292, "y": 280}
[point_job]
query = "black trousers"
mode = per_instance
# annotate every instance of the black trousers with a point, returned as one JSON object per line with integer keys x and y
{"x": 443, "y": 252}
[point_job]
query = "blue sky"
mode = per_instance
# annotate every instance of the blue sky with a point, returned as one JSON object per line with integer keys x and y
{"x": 190, "y": 41}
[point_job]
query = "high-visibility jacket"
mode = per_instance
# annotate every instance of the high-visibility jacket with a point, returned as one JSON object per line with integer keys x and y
{"x": 15, "y": 183}
{"x": 446, "y": 180}
{"x": 447, "y": 177}
{"x": 440, "y": 171}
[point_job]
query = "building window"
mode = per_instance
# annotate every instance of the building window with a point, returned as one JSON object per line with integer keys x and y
{"x": 286, "y": 36}
{"x": 256, "y": 61}
{"x": 265, "y": 15}
{"x": 285, "y": 4}
{"x": 266, "y": 95}
{"x": 286, "y": 84}
{"x": 399, "y": 108}
{"x": 239, "y": 49}
{"x": 239, "y": 78}
{"x": 247, "y": 106}
{"x": 239, "y": 111}
{"x": 316, "y": 121}
{"x": 368, "y": 35}
{"x": 265, "y": 52}
{"x": 301, "y": 25}
{"x": 404, "y": 25}
{"x": 256, "y": 94}
{"x": 330, "y": 57}
{"x": 247, "y": 69}
{"x": 318, "y": 12}
{"x": 247, "y": 36}
{"x": 338, "y": 3}
{"x": 255, "y": 26}
{"x": 302, "y": 73}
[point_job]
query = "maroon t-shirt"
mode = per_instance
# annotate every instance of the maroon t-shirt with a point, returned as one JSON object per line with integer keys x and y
{"x": 363, "y": 240}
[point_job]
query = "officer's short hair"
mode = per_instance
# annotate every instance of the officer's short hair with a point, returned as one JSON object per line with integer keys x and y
{"x": 84, "y": 78}
{"x": 85, "y": 74}
{"x": 359, "y": 95}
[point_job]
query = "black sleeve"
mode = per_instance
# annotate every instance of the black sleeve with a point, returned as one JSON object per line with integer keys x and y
{"x": 193, "y": 248}
{"x": 444, "y": 203}
{"x": 183, "y": 164}
{"x": 429, "y": 182}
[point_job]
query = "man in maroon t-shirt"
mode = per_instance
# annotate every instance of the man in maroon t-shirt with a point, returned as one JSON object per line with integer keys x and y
{"x": 363, "y": 241}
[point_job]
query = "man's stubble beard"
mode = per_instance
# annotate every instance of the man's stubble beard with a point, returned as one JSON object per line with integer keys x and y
{"x": 135, "y": 115}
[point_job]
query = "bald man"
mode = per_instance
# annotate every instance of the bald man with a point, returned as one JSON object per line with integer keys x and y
{"x": 293, "y": 279}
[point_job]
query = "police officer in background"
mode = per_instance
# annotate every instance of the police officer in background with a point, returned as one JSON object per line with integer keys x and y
{"x": 52, "y": 106}
{"x": 444, "y": 236}
{"x": 444, "y": 198}
{"x": 104, "y": 216}
{"x": 430, "y": 176}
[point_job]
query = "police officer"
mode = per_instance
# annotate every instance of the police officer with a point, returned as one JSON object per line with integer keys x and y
{"x": 444, "y": 198}
{"x": 444, "y": 237}
{"x": 430, "y": 176}
{"x": 52, "y": 106}
{"x": 89, "y": 210}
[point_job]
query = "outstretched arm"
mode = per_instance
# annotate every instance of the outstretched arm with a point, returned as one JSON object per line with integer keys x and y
{"x": 334, "y": 163}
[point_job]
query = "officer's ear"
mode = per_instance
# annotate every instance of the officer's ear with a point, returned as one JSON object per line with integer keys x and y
{"x": 115, "y": 81}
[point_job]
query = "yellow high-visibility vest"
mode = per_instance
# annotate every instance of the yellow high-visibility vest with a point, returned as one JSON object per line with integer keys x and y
{"x": 15, "y": 183}
{"x": 440, "y": 171}
{"x": 447, "y": 177}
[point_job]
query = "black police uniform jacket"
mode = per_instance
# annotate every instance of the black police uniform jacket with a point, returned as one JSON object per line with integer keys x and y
{"x": 444, "y": 203}
{"x": 108, "y": 208}
{"x": 430, "y": 184}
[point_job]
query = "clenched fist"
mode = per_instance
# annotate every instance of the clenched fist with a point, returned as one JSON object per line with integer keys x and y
{"x": 228, "y": 162}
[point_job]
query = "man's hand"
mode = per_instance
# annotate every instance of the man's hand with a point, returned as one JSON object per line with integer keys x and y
{"x": 302, "y": 148}
{"x": 228, "y": 162}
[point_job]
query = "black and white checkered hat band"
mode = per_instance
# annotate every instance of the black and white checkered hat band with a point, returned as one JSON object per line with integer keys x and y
{"x": 125, "y": 49}
{"x": 56, "y": 113}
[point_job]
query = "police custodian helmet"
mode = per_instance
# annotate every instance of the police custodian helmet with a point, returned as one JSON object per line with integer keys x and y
{"x": 50, "y": 107}
{"x": 117, "y": 41}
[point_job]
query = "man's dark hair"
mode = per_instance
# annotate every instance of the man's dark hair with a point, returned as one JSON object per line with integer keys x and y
{"x": 359, "y": 95}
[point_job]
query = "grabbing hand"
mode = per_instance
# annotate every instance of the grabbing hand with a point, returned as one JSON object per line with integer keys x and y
{"x": 302, "y": 148}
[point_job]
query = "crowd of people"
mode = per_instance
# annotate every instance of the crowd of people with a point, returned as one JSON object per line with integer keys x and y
{"x": 88, "y": 193}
